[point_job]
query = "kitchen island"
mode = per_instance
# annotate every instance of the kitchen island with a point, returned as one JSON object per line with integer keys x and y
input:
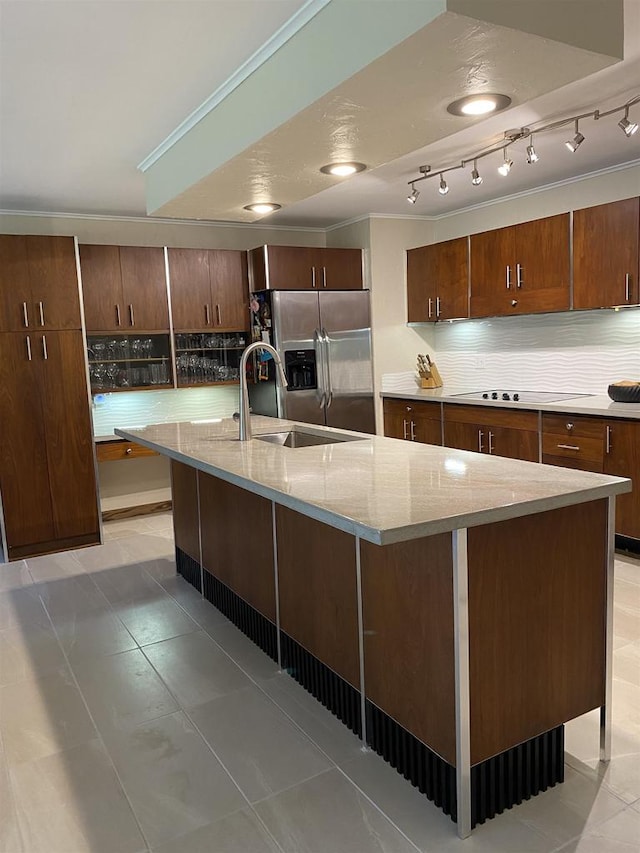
{"x": 452, "y": 609}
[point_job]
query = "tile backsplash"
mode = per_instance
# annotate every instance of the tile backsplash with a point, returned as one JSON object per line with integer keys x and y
{"x": 582, "y": 351}
{"x": 139, "y": 408}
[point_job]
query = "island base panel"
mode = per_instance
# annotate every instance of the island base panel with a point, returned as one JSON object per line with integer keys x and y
{"x": 497, "y": 784}
{"x": 186, "y": 517}
{"x": 189, "y": 568}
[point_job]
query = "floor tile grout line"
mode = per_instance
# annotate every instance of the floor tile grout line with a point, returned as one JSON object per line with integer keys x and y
{"x": 101, "y": 740}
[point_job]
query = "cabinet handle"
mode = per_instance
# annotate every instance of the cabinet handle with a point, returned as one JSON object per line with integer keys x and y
{"x": 28, "y": 348}
{"x": 25, "y": 316}
{"x": 118, "y": 315}
{"x": 627, "y": 286}
{"x": 207, "y": 315}
{"x": 569, "y": 426}
{"x": 131, "y": 319}
{"x": 608, "y": 440}
{"x": 413, "y": 431}
{"x": 41, "y": 310}
{"x": 129, "y": 450}
{"x": 429, "y": 308}
{"x": 404, "y": 428}
{"x": 313, "y": 276}
{"x": 569, "y": 446}
{"x": 480, "y": 441}
{"x": 508, "y": 277}
{"x": 324, "y": 276}
{"x": 437, "y": 307}
{"x": 218, "y": 315}
{"x": 490, "y": 442}
{"x": 519, "y": 279}
{"x": 45, "y": 353}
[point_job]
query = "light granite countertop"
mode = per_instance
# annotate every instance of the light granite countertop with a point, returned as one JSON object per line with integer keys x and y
{"x": 597, "y": 405}
{"x": 381, "y": 489}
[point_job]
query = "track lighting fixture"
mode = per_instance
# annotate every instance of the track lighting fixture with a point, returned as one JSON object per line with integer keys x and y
{"x": 476, "y": 177}
{"x": 626, "y": 126}
{"x": 412, "y": 198}
{"x": 506, "y": 165}
{"x": 576, "y": 142}
{"x": 511, "y": 137}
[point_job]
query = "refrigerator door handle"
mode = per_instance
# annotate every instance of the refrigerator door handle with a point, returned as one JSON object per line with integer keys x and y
{"x": 320, "y": 366}
{"x": 327, "y": 361}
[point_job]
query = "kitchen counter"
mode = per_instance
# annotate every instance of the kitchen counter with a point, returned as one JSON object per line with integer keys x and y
{"x": 377, "y": 488}
{"x": 597, "y": 405}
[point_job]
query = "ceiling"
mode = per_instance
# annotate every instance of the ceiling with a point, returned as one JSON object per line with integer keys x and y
{"x": 89, "y": 89}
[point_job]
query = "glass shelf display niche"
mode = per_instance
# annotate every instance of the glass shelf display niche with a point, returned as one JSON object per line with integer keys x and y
{"x": 209, "y": 358}
{"x": 129, "y": 362}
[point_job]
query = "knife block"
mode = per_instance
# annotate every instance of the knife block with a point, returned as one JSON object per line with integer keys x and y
{"x": 434, "y": 380}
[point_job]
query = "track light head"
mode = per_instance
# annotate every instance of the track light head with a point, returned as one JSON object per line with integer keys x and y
{"x": 532, "y": 157}
{"x": 476, "y": 177}
{"x": 412, "y": 198}
{"x": 506, "y": 165}
{"x": 443, "y": 189}
{"x": 576, "y": 142}
{"x": 626, "y": 126}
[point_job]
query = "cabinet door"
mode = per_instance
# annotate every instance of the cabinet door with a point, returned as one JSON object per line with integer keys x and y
{"x": 293, "y": 268}
{"x": 512, "y": 443}
{"x": 67, "y": 426}
{"x": 190, "y": 289}
{"x": 144, "y": 289}
{"x": 465, "y": 436}
{"x": 395, "y": 419}
{"x": 492, "y": 270}
{"x": 427, "y": 429}
{"x": 16, "y": 312}
{"x": 622, "y": 459}
{"x": 229, "y": 288}
{"x": 605, "y": 254}
{"x": 422, "y": 271}
{"x": 102, "y": 288}
{"x": 24, "y": 477}
{"x": 541, "y": 276}
{"x": 339, "y": 269}
{"x": 452, "y": 279}
{"x": 54, "y": 282}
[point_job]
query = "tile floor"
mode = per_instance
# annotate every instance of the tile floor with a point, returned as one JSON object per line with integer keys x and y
{"x": 135, "y": 717}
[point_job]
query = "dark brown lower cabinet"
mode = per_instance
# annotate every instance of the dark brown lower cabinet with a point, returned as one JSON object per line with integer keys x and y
{"x": 47, "y": 470}
{"x": 413, "y": 421}
{"x": 497, "y": 432}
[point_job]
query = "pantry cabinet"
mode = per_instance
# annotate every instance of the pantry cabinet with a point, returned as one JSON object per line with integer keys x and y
{"x": 496, "y": 432}
{"x": 38, "y": 283}
{"x": 209, "y": 289}
{"x": 47, "y": 473}
{"x": 304, "y": 268}
{"x": 521, "y": 269}
{"x": 438, "y": 281}
{"x": 413, "y": 421}
{"x": 124, "y": 288}
{"x": 605, "y": 255}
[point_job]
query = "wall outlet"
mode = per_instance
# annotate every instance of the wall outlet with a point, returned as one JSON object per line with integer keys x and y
{"x": 480, "y": 364}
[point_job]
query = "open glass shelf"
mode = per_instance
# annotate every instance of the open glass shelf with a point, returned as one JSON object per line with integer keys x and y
{"x": 129, "y": 362}
{"x": 206, "y": 358}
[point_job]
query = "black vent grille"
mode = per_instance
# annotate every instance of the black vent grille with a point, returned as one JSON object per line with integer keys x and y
{"x": 252, "y": 623}
{"x": 189, "y": 569}
{"x": 336, "y": 694}
{"x": 496, "y": 784}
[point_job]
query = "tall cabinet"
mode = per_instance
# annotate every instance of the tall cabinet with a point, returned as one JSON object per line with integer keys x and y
{"x": 47, "y": 474}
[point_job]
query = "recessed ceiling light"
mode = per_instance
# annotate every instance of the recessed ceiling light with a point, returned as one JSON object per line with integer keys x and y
{"x": 262, "y": 207}
{"x": 479, "y": 105}
{"x": 342, "y": 170}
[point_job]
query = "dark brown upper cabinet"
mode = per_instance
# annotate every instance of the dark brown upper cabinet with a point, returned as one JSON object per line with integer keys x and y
{"x": 38, "y": 284}
{"x": 521, "y": 269}
{"x": 438, "y": 281}
{"x": 305, "y": 268}
{"x": 124, "y": 288}
{"x": 209, "y": 289}
{"x": 605, "y": 255}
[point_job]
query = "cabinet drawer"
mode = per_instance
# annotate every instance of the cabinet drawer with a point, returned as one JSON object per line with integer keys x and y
{"x": 109, "y": 451}
{"x": 490, "y": 416}
{"x": 430, "y": 411}
{"x": 573, "y": 447}
{"x": 573, "y": 427}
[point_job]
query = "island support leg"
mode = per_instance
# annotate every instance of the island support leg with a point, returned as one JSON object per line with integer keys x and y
{"x": 463, "y": 719}
{"x": 605, "y": 710}
{"x": 363, "y": 695}
{"x": 276, "y": 581}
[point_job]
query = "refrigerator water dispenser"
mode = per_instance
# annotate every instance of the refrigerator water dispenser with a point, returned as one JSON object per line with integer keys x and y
{"x": 300, "y": 367}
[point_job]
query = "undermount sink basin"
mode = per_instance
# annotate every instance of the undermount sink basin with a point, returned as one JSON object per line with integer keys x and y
{"x": 301, "y": 438}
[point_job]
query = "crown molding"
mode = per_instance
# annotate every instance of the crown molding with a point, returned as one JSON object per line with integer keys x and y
{"x": 295, "y": 23}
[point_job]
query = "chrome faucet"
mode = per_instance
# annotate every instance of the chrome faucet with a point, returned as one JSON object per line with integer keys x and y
{"x": 245, "y": 417}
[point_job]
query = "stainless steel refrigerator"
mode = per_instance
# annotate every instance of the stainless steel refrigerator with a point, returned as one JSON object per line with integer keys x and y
{"x": 324, "y": 341}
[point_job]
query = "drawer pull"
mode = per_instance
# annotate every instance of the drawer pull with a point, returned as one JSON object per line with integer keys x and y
{"x": 569, "y": 446}
{"x": 569, "y": 427}
{"x": 129, "y": 450}
{"x": 608, "y": 440}
{"x": 404, "y": 428}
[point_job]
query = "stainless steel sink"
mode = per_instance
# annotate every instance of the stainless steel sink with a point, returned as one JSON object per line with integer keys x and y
{"x": 302, "y": 438}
